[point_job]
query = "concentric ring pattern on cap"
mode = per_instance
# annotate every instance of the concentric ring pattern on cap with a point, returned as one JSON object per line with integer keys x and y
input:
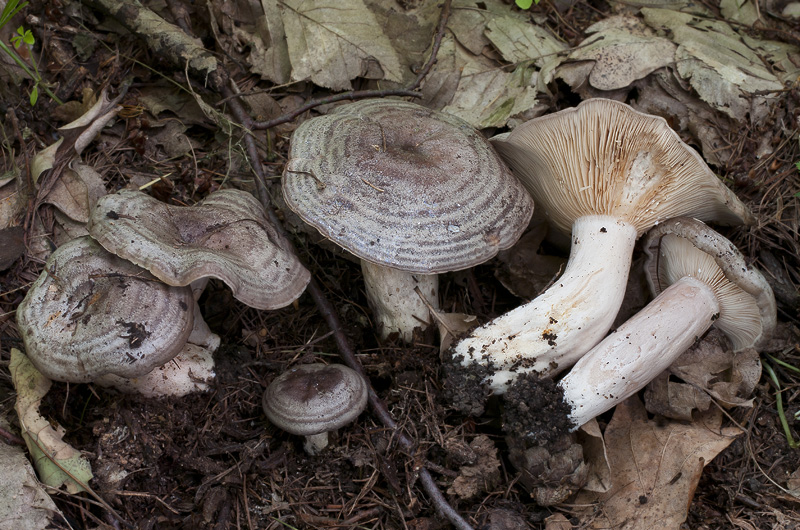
{"x": 404, "y": 186}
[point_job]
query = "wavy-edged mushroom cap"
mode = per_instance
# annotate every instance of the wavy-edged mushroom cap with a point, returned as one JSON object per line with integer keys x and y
{"x": 685, "y": 247}
{"x": 404, "y": 186}
{"x": 91, "y": 313}
{"x": 226, "y": 236}
{"x": 312, "y": 399}
{"x": 605, "y": 158}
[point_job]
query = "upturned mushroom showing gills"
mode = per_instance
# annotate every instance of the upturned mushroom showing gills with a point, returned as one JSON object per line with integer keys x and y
{"x": 91, "y": 313}
{"x": 701, "y": 280}
{"x": 410, "y": 191}
{"x": 312, "y": 400}
{"x": 607, "y": 173}
{"x": 226, "y": 236}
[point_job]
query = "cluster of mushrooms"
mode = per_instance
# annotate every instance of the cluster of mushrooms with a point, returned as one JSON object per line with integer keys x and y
{"x": 119, "y": 307}
{"x": 413, "y": 193}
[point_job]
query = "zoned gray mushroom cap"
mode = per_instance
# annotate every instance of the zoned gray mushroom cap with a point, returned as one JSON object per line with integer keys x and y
{"x": 226, "y": 236}
{"x": 91, "y": 313}
{"x": 687, "y": 247}
{"x": 315, "y": 398}
{"x": 605, "y": 158}
{"x": 404, "y": 186}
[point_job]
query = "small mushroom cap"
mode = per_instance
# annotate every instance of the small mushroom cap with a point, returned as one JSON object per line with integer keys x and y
{"x": 687, "y": 247}
{"x": 404, "y": 186}
{"x": 315, "y": 398}
{"x": 91, "y": 313}
{"x": 226, "y": 236}
{"x": 605, "y": 158}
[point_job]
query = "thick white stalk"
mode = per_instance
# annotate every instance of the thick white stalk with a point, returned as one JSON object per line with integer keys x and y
{"x": 395, "y": 304}
{"x": 636, "y": 352}
{"x": 555, "y": 329}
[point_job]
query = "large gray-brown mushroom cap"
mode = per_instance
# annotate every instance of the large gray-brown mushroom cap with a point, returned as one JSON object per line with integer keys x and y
{"x": 406, "y": 188}
{"x": 226, "y": 236}
{"x": 312, "y": 399}
{"x": 606, "y": 173}
{"x": 91, "y": 313}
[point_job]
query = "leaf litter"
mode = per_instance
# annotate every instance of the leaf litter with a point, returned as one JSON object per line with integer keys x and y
{"x": 496, "y": 65}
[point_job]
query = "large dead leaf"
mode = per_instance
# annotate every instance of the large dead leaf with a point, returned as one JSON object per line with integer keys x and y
{"x": 519, "y": 40}
{"x": 12, "y": 199}
{"x": 725, "y": 71}
{"x": 57, "y": 462}
{"x": 655, "y": 468}
{"x": 269, "y": 53}
{"x": 333, "y": 41}
{"x": 24, "y": 505}
{"x": 483, "y": 94}
{"x": 620, "y": 51}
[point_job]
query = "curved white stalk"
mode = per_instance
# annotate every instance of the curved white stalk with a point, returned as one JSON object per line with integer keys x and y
{"x": 643, "y": 347}
{"x": 395, "y": 304}
{"x": 555, "y": 329}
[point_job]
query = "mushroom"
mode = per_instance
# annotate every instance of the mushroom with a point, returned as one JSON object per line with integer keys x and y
{"x": 701, "y": 280}
{"x": 607, "y": 173}
{"x": 92, "y": 314}
{"x": 410, "y": 191}
{"x": 226, "y": 236}
{"x": 312, "y": 400}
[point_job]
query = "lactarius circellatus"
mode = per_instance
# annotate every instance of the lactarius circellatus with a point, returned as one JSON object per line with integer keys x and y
{"x": 701, "y": 280}
{"x": 94, "y": 317}
{"x": 607, "y": 173}
{"x": 312, "y": 400}
{"x": 225, "y": 236}
{"x": 410, "y": 191}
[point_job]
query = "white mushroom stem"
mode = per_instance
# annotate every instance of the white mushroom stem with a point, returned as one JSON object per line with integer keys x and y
{"x": 643, "y": 347}
{"x": 555, "y": 329}
{"x": 315, "y": 443}
{"x": 394, "y": 302}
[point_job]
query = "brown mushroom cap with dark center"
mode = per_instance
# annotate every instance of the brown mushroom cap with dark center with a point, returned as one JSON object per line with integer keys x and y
{"x": 226, "y": 236}
{"x": 91, "y": 313}
{"x": 411, "y": 191}
{"x": 404, "y": 186}
{"x": 312, "y": 399}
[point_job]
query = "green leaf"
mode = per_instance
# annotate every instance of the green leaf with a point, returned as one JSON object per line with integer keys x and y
{"x": 34, "y": 95}
{"x": 12, "y": 8}
{"x": 28, "y": 38}
{"x": 524, "y": 4}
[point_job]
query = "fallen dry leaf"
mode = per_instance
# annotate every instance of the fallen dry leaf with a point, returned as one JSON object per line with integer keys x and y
{"x": 57, "y": 462}
{"x": 24, "y": 505}
{"x": 655, "y": 468}
{"x": 482, "y": 469}
{"x": 709, "y": 369}
{"x": 333, "y": 41}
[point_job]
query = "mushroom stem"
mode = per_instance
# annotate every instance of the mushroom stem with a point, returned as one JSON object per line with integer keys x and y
{"x": 640, "y": 349}
{"x": 555, "y": 329}
{"x": 395, "y": 304}
{"x": 315, "y": 443}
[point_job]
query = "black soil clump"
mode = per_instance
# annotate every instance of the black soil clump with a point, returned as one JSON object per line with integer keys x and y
{"x": 464, "y": 389}
{"x": 535, "y": 410}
